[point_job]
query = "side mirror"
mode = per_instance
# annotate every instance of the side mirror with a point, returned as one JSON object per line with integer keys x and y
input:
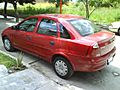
{"x": 15, "y": 27}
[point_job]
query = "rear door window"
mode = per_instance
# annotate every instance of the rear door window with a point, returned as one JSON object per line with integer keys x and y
{"x": 47, "y": 27}
{"x": 64, "y": 32}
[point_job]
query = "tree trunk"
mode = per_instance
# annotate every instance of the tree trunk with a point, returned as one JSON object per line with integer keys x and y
{"x": 87, "y": 8}
{"x": 16, "y": 12}
{"x": 60, "y": 6}
{"x": 5, "y": 9}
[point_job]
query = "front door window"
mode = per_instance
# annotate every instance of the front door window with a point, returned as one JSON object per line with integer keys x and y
{"x": 28, "y": 25}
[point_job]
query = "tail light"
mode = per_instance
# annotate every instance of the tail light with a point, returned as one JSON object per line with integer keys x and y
{"x": 95, "y": 50}
{"x": 96, "y": 45}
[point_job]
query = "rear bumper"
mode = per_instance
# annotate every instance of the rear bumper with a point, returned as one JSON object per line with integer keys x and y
{"x": 93, "y": 64}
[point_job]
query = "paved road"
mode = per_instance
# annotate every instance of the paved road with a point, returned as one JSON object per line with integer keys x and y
{"x": 106, "y": 79}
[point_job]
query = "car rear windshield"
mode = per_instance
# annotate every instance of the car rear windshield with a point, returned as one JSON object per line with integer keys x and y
{"x": 84, "y": 27}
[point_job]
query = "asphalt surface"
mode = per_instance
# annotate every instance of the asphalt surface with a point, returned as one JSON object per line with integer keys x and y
{"x": 106, "y": 79}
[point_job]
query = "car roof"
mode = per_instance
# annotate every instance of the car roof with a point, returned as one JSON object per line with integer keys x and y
{"x": 61, "y": 16}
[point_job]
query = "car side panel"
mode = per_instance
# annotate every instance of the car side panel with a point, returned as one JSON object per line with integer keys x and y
{"x": 42, "y": 46}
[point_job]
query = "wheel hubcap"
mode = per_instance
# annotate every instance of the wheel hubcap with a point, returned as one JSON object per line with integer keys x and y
{"x": 61, "y": 68}
{"x": 7, "y": 44}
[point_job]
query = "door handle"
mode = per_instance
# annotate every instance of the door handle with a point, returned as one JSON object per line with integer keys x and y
{"x": 52, "y": 42}
{"x": 28, "y": 37}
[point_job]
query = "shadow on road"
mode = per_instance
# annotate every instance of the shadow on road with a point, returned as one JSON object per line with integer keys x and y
{"x": 101, "y": 80}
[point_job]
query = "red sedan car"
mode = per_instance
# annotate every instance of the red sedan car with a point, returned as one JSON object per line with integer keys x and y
{"x": 71, "y": 43}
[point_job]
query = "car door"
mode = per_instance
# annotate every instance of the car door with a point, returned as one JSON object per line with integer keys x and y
{"x": 65, "y": 39}
{"x": 46, "y": 39}
{"x": 23, "y": 36}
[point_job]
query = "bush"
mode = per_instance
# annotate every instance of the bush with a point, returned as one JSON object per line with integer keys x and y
{"x": 29, "y": 9}
{"x": 104, "y": 3}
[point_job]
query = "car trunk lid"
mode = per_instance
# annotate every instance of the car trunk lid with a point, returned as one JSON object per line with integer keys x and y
{"x": 105, "y": 41}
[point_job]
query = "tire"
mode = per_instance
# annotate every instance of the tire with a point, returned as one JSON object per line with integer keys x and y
{"x": 62, "y": 68}
{"x": 119, "y": 31}
{"x": 8, "y": 45}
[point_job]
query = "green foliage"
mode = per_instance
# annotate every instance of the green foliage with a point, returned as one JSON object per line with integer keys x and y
{"x": 19, "y": 61}
{"x": 36, "y": 9}
{"x": 106, "y": 15}
{"x": 29, "y": 9}
{"x": 21, "y": 2}
{"x": 57, "y": 2}
{"x": 74, "y": 8}
{"x": 101, "y": 14}
{"x": 7, "y": 61}
{"x": 104, "y": 3}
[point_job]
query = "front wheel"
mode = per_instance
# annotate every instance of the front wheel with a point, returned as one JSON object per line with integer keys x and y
{"x": 62, "y": 68}
{"x": 7, "y": 44}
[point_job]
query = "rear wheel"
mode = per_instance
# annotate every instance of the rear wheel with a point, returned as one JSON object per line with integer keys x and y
{"x": 7, "y": 44}
{"x": 62, "y": 67}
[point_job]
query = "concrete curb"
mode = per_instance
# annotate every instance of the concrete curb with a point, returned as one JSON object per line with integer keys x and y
{"x": 8, "y": 54}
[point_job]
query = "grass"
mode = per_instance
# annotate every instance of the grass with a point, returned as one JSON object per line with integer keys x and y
{"x": 77, "y": 9}
{"x": 106, "y": 15}
{"x": 7, "y": 61}
{"x": 100, "y": 15}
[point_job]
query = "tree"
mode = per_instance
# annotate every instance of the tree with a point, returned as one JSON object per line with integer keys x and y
{"x": 59, "y": 3}
{"x": 87, "y": 7}
{"x": 98, "y": 3}
{"x": 14, "y": 2}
